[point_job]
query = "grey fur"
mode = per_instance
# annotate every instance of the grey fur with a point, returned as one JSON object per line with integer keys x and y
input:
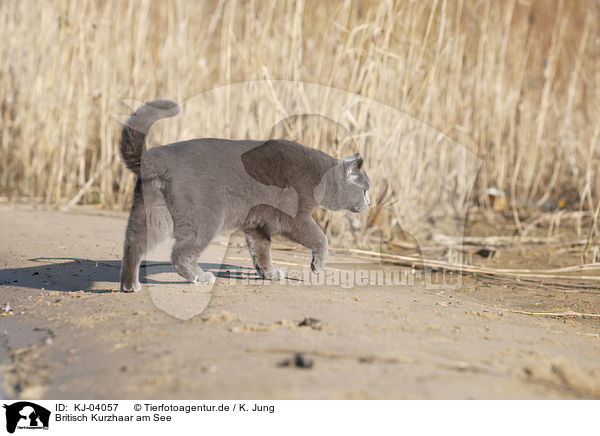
{"x": 194, "y": 189}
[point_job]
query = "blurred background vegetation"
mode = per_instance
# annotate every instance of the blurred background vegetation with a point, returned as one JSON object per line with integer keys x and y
{"x": 517, "y": 82}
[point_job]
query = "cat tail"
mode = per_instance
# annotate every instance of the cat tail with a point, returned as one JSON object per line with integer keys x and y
{"x": 133, "y": 136}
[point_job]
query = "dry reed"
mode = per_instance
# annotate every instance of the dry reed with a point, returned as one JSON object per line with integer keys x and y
{"x": 516, "y": 82}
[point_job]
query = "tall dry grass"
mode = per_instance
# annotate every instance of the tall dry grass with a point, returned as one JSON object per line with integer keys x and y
{"x": 517, "y": 82}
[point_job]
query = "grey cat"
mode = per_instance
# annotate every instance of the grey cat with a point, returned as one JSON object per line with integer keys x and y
{"x": 192, "y": 190}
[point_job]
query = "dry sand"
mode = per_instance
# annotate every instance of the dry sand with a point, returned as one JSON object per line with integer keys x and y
{"x": 71, "y": 334}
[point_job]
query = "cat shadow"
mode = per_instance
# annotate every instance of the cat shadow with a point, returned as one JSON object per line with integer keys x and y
{"x": 74, "y": 274}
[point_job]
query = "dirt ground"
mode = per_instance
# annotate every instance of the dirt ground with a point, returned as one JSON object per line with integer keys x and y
{"x": 70, "y": 334}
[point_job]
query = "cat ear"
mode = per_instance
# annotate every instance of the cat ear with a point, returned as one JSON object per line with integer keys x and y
{"x": 352, "y": 158}
{"x": 352, "y": 165}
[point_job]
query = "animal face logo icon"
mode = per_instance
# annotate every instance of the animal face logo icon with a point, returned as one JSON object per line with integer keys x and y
{"x": 24, "y": 414}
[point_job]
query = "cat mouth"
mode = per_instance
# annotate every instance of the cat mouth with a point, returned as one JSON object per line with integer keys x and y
{"x": 359, "y": 208}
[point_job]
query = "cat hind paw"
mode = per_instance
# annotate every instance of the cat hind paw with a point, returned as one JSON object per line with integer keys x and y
{"x": 205, "y": 278}
{"x": 272, "y": 274}
{"x": 133, "y": 287}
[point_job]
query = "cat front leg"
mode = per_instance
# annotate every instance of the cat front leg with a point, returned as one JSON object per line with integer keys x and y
{"x": 308, "y": 233}
{"x": 259, "y": 246}
{"x": 319, "y": 255}
{"x": 251, "y": 244}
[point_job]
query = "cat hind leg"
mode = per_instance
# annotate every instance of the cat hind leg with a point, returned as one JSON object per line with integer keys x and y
{"x": 185, "y": 255}
{"x": 149, "y": 224}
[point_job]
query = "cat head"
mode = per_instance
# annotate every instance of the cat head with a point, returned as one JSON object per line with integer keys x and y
{"x": 345, "y": 186}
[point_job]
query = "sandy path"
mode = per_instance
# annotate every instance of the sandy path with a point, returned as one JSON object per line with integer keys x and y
{"x": 70, "y": 336}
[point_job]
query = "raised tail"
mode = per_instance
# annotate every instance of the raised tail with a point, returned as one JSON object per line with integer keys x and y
{"x": 133, "y": 136}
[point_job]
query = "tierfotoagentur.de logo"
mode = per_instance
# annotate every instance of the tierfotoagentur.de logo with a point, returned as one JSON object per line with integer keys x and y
{"x": 25, "y": 415}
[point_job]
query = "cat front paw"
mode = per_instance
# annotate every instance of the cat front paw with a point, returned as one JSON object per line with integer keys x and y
{"x": 317, "y": 265}
{"x": 272, "y": 274}
{"x": 205, "y": 278}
